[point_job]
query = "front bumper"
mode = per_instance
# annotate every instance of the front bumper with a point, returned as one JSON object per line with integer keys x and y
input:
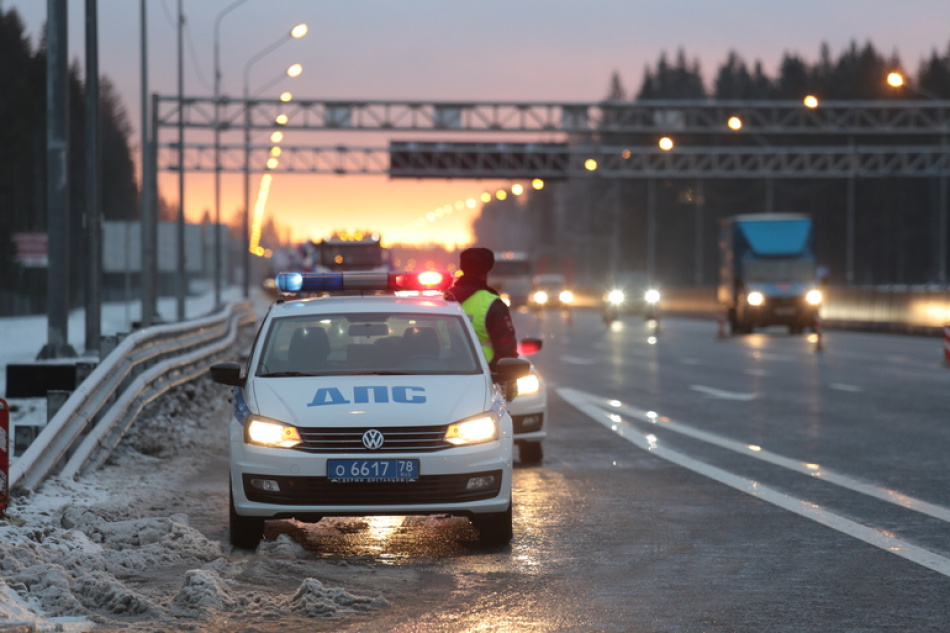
{"x": 303, "y": 489}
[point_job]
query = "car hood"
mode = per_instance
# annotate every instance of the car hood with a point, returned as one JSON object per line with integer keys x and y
{"x": 359, "y": 401}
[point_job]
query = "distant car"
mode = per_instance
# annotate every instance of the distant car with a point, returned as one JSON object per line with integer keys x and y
{"x": 366, "y": 402}
{"x": 550, "y": 291}
{"x": 630, "y": 295}
{"x": 529, "y": 410}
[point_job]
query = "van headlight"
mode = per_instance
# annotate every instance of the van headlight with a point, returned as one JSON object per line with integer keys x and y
{"x": 475, "y": 430}
{"x": 813, "y": 297}
{"x": 615, "y": 297}
{"x": 540, "y": 297}
{"x": 755, "y": 298}
{"x": 652, "y": 296}
{"x": 528, "y": 385}
{"x": 566, "y": 296}
{"x": 271, "y": 433}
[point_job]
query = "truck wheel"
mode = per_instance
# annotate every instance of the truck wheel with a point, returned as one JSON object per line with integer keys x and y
{"x": 494, "y": 528}
{"x": 245, "y": 532}
{"x": 530, "y": 452}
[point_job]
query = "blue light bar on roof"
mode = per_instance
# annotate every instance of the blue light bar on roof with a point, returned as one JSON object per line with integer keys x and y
{"x": 427, "y": 280}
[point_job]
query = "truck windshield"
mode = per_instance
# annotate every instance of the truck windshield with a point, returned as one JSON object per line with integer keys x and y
{"x": 772, "y": 270}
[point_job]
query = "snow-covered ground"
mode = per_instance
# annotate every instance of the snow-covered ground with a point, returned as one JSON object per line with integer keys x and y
{"x": 127, "y": 548}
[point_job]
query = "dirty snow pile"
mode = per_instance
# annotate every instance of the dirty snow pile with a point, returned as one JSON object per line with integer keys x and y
{"x": 108, "y": 550}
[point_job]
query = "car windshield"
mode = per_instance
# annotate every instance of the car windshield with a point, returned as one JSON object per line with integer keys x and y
{"x": 361, "y": 343}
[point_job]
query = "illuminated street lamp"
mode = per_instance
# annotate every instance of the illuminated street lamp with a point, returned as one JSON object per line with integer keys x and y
{"x": 666, "y": 143}
{"x": 537, "y": 184}
{"x": 810, "y": 101}
{"x": 734, "y": 123}
{"x": 895, "y": 79}
{"x": 590, "y": 164}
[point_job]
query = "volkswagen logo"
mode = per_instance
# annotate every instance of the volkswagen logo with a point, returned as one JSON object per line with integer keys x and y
{"x": 373, "y": 439}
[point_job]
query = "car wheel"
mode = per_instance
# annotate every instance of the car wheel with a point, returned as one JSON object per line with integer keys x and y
{"x": 245, "y": 532}
{"x": 530, "y": 452}
{"x": 494, "y": 528}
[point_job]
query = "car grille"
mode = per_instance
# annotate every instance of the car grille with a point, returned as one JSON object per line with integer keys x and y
{"x": 431, "y": 489}
{"x": 349, "y": 440}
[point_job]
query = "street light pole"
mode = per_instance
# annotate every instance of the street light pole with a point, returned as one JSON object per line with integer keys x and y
{"x": 217, "y": 149}
{"x": 896, "y": 80}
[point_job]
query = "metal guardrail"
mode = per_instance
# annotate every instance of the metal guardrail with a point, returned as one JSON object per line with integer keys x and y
{"x": 146, "y": 364}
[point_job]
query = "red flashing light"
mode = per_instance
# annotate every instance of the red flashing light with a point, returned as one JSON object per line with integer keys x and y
{"x": 421, "y": 281}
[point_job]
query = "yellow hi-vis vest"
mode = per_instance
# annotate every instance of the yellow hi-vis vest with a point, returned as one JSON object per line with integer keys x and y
{"x": 476, "y": 307}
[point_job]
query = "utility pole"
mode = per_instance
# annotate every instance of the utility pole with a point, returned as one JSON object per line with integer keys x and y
{"x": 93, "y": 180}
{"x": 57, "y": 181}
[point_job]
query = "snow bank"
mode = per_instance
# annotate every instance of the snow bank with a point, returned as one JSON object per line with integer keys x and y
{"x": 111, "y": 549}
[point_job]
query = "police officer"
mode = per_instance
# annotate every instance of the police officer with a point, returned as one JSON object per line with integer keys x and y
{"x": 484, "y": 307}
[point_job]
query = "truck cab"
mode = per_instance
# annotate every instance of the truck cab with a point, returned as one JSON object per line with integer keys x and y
{"x": 768, "y": 272}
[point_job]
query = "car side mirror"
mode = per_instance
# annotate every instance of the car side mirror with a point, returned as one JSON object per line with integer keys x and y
{"x": 227, "y": 374}
{"x": 529, "y": 346}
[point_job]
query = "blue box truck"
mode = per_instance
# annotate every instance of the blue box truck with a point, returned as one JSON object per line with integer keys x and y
{"x": 767, "y": 272}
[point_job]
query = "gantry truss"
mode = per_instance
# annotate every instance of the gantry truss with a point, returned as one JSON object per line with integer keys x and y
{"x": 867, "y": 139}
{"x": 612, "y": 162}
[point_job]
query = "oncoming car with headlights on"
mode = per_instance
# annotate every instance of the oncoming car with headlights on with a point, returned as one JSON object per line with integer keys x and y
{"x": 373, "y": 398}
{"x": 550, "y": 291}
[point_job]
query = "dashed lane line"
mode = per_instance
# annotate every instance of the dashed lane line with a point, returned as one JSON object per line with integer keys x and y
{"x": 607, "y": 412}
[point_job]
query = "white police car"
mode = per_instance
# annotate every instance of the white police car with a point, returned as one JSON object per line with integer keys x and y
{"x": 529, "y": 410}
{"x": 364, "y": 402}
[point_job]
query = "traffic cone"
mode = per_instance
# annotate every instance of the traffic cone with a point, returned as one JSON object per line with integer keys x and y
{"x": 819, "y": 342}
{"x": 946, "y": 345}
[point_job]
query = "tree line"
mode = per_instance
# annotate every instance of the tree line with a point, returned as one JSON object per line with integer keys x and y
{"x": 569, "y": 225}
{"x": 23, "y": 192}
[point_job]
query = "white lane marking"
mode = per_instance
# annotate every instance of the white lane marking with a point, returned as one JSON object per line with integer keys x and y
{"x": 843, "y": 387}
{"x": 757, "y": 452}
{"x": 723, "y": 395}
{"x": 586, "y": 403}
{"x": 758, "y": 372}
{"x": 575, "y": 360}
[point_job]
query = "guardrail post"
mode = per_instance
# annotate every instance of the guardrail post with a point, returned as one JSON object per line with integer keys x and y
{"x": 4, "y": 456}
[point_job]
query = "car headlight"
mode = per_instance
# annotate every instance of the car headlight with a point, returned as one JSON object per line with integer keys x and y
{"x": 615, "y": 297}
{"x": 528, "y": 385}
{"x": 652, "y": 296}
{"x": 566, "y": 296}
{"x": 540, "y": 297}
{"x": 476, "y": 430}
{"x": 755, "y": 298}
{"x": 271, "y": 433}
{"x": 813, "y": 297}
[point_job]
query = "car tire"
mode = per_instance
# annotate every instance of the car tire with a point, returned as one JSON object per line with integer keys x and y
{"x": 494, "y": 528}
{"x": 245, "y": 532}
{"x": 530, "y": 452}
